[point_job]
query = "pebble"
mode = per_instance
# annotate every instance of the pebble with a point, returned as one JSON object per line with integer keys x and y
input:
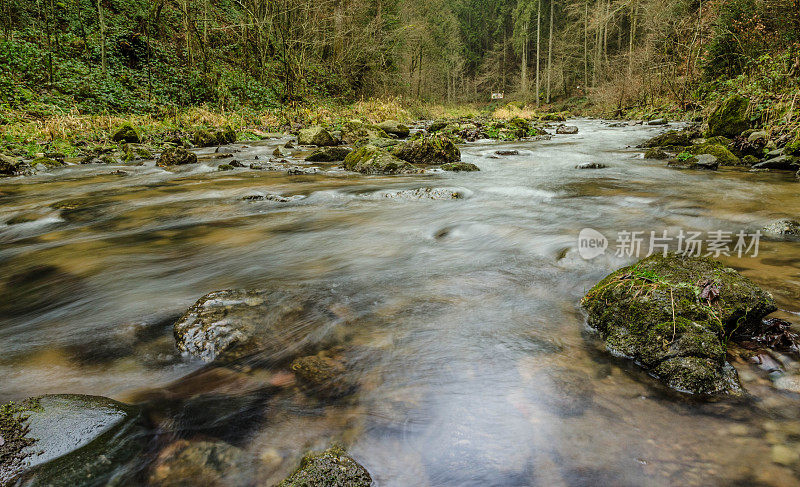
{"x": 783, "y": 455}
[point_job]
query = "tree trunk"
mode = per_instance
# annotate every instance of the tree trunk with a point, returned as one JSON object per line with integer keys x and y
{"x": 538, "y": 49}
{"x": 525, "y": 60}
{"x": 586, "y": 44}
{"x": 550, "y": 52}
{"x": 102, "y": 37}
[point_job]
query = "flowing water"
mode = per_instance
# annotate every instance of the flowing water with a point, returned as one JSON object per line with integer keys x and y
{"x": 471, "y": 353}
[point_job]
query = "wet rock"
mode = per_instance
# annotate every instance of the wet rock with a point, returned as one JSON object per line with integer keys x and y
{"x": 730, "y": 118}
{"x": 591, "y": 165}
{"x": 126, "y": 133}
{"x": 723, "y": 155}
{"x": 782, "y": 162}
{"x": 301, "y": 171}
{"x": 225, "y": 167}
{"x": 318, "y": 136}
{"x": 393, "y": 127}
{"x": 567, "y": 130}
{"x": 655, "y": 153}
{"x": 672, "y": 138}
{"x": 434, "y": 149}
{"x": 332, "y": 467}
{"x": 784, "y": 228}
{"x": 460, "y": 167}
{"x": 46, "y": 162}
{"x": 177, "y": 156}
{"x": 200, "y": 463}
{"x": 426, "y": 194}
{"x": 273, "y": 197}
{"x": 323, "y": 375}
{"x": 784, "y": 455}
{"x": 210, "y": 138}
{"x": 437, "y": 125}
{"x": 79, "y": 440}
{"x": 507, "y": 152}
{"x": 553, "y": 117}
{"x": 281, "y": 152}
{"x": 329, "y": 154}
{"x": 706, "y": 161}
{"x": 227, "y": 325}
{"x": 671, "y": 315}
{"x": 657, "y": 121}
{"x": 373, "y": 160}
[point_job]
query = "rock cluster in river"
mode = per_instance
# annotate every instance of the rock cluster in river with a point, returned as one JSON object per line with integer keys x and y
{"x": 673, "y": 315}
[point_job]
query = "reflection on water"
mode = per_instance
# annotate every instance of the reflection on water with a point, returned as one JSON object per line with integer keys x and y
{"x": 464, "y": 335}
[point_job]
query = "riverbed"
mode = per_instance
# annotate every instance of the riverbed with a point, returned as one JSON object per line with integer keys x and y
{"x": 474, "y": 363}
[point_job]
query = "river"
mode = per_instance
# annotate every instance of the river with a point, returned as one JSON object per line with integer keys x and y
{"x": 475, "y": 366}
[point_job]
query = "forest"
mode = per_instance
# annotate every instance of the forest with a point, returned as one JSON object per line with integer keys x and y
{"x": 121, "y": 56}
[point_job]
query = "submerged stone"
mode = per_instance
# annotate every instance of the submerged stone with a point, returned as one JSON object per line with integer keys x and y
{"x": 460, "y": 167}
{"x": 329, "y": 154}
{"x": 673, "y": 316}
{"x": 199, "y": 463}
{"x": 332, "y": 467}
{"x": 226, "y": 325}
{"x": 78, "y": 440}
{"x": 323, "y": 375}
{"x": 784, "y": 228}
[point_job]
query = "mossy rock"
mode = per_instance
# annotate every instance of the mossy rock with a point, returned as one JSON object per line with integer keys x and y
{"x": 438, "y": 125}
{"x": 225, "y": 167}
{"x": 176, "y": 156}
{"x": 47, "y": 162}
{"x": 460, "y": 167}
{"x": 730, "y": 117}
{"x": 210, "y": 138}
{"x": 393, "y": 127}
{"x": 656, "y": 313}
{"x": 749, "y": 160}
{"x": 318, "y": 136}
{"x": 374, "y": 160}
{"x": 356, "y": 132}
{"x": 9, "y": 166}
{"x": 434, "y": 149}
{"x": 553, "y": 117}
{"x": 329, "y": 154}
{"x": 332, "y": 467}
{"x": 671, "y": 138}
{"x": 127, "y": 134}
{"x": 76, "y": 440}
{"x": 655, "y": 153}
{"x": 723, "y": 155}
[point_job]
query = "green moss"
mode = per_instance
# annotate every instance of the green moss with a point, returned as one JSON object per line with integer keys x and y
{"x": 460, "y": 167}
{"x": 373, "y": 160}
{"x": 126, "y": 133}
{"x": 434, "y": 149}
{"x": 723, "y": 155}
{"x": 730, "y": 118}
{"x": 655, "y": 153}
{"x": 47, "y": 162}
{"x": 332, "y": 467}
{"x": 14, "y": 435}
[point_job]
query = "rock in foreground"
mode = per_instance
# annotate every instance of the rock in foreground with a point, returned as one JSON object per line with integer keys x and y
{"x": 333, "y": 467}
{"x": 76, "y": 440}
{"x": 226, "y": 325}
{"x": 435, "y": 149}
{"x": 672, "y": 316}
{"x": 177, "y": 156}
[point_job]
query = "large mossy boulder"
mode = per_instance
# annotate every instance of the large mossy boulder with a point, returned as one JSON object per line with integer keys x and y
{"x": 228, "y": 325}
{"x": 212, "y": 137}
{"x": 393, "y": 127}
{"x": 374, "y": 160}
{"x": 332, "y": 467}
{"x": 432, "y": 150}
{"x": 9, "y": 166}
{"x": 67, "y": 440}
{"x": 356, "y": 132}
{"x": 673, "y": 316}
{"x": 723, "y": 155}
{"x": 126, "y": 133}
{"x": 730, "y": 117}
{"x": 318, "y": 136}
{"x": 673, "y": 138}
{"x": 176, "y": 156}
